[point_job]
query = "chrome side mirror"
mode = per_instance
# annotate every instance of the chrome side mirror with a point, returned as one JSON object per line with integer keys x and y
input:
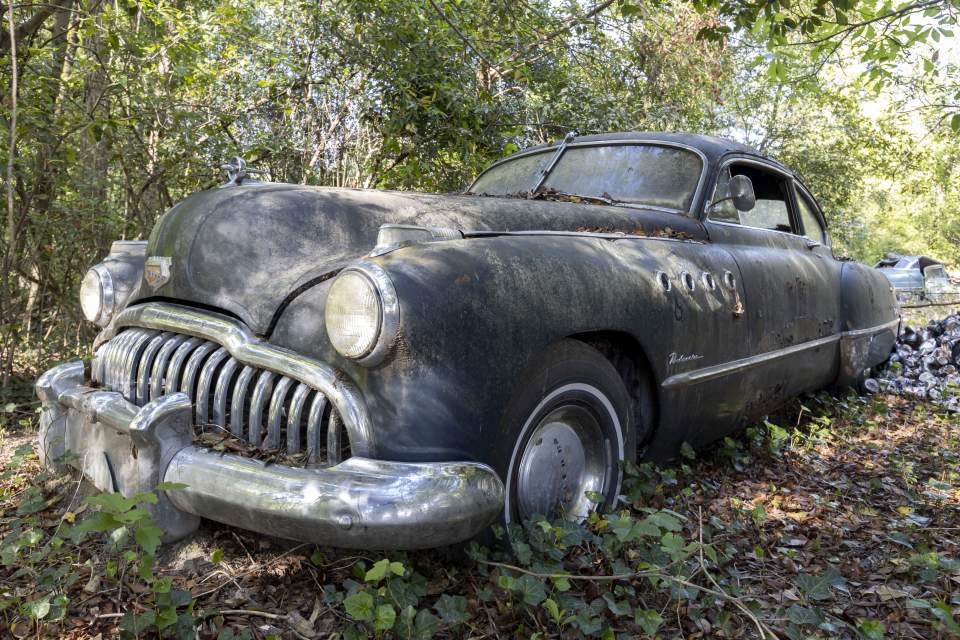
{"x": 740, "y": 190}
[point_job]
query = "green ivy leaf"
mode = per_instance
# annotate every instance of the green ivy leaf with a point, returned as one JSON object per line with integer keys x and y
{"x": 648, "y": 620}
{"x": 452, "y": 609}
{"x": 377, "y": 571}
{"x": 359, "y": 606}
{"x": 385, "y": 617}
{"x": 818, "y": 587}
{"x": 617, "y": 607}
{"x": 552, "y": 608}
{"x": 38, "y": 609}
{"x": 148, "y": 537}
{"x": 871, "y": 629}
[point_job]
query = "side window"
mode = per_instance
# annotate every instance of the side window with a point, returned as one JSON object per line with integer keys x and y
{"x": 811, "y": 223}
{"x": 771, "y": 210}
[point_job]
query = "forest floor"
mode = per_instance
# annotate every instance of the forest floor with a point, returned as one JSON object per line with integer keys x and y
{"x": 836, "y": 517}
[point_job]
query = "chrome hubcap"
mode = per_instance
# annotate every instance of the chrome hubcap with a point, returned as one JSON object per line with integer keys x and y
{"x": 564, "y": 458}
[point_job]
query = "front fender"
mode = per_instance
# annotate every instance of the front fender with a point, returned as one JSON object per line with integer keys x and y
{"x": 475, "y": 312}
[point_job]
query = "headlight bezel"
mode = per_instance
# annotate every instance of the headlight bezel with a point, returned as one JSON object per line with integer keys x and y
{"x": 107, "y": 295}
{"x": 389, "y": 322}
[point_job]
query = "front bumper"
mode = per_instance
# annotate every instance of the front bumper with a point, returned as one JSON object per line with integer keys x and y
{"x": 359, "y": 503}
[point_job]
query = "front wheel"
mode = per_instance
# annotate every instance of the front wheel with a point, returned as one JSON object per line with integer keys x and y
{"x": 563, "y": 435}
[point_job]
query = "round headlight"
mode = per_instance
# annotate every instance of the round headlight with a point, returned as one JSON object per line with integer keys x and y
{"x": 96, "y": 296}
{"x": 361, "y": 313}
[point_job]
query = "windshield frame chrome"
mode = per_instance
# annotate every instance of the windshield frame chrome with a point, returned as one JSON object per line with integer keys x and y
{"x": 560, "y": 148}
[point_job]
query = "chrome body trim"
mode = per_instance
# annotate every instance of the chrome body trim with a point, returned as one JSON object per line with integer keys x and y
{"x": 252, "y": 351}
{"x": 713, "y": 372}
{"x": 359, "y": 503}
{"x": 856, "y": 333}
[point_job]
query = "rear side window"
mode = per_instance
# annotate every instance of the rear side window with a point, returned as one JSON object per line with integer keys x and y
{"x": 808, "y": 217}
{"x": 771, "y": 210}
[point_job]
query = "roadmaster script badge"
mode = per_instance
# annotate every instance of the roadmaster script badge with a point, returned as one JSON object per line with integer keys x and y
{"x": 156, "y": 271}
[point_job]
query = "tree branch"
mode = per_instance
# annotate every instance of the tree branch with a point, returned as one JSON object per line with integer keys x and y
{"x": 31, "y": 26}
{"x": 465, "y": 39}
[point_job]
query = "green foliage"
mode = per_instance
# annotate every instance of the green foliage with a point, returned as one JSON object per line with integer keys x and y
{"x": 127, "y": 532}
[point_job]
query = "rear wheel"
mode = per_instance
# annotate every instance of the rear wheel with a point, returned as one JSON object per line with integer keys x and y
{"x": 563, "y": 435}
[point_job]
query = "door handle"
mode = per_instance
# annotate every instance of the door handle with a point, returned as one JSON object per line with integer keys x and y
{"x": 812, "y": 244}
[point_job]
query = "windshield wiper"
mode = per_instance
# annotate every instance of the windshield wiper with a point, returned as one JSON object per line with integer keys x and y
{"x": 562, "y": 196}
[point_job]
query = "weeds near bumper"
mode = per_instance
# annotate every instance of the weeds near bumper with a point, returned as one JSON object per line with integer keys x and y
{"x": 837, "y": 517}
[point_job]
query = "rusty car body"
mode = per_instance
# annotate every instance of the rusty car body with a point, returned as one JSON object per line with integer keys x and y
{"x": 438, "y": 362}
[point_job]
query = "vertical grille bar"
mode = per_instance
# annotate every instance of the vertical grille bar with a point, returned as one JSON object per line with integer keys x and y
{"x": 239, "y": 401}
{"x": 175, "y": 368}
{"x": 131, "y": 361}
{"x": 96, "y": 366}
{"x": 146, "y": 365}
{"x": 261, "y": 394}
{"x": 192, "y": 368}
{"x": 159, "y": 369}
{"x": 205, "y": 384}
{"x": 222, "y": 392}
{"x": 116, "y": 357}
{"x": 315, "y": 427}
{"x": 294, "y": 419}
{"x": 275, "y": 416}
{"x": 333, "y": 438}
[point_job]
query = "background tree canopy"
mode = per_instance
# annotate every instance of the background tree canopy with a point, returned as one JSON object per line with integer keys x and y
{"x": 116, "y": 110}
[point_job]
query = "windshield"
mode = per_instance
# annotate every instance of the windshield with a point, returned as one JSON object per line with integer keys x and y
{"x": 645, "y": 174}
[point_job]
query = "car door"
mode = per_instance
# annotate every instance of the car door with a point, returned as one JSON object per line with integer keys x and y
{"x": 791, "y": 286}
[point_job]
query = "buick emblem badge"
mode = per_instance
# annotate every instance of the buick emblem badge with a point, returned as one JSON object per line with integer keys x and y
{"x": 156, "y": 271}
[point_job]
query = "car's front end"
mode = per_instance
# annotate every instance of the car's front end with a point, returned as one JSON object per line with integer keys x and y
{"x": 165, "y": 371}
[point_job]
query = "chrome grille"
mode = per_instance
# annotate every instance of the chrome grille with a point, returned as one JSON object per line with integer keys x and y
{"x": 267, "y": 409}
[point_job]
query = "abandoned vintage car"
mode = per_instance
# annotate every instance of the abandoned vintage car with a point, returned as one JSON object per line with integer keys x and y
{"x": 918, "y": 278}
{"x": 442, "y": 362}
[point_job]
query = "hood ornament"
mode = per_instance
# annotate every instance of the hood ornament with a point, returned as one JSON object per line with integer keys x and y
{"x": 237, "y": 171}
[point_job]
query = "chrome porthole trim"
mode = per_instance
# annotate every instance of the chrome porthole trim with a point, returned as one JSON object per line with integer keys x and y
{"x": 663, "y": 281}
{"x": 729, "y": 280}
{"x": 709, "y": 282}
{"x": 688, "y": 282}
{"x": 389, "y": 311}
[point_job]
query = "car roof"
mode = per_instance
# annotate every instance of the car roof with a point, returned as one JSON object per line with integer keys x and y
{"x": 712, "y": 147}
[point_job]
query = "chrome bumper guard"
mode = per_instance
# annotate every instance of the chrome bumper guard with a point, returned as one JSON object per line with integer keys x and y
{"x": 359, "y": 503}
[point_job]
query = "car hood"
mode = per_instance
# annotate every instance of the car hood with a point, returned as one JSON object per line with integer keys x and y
{"x": 246, "y": 249}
